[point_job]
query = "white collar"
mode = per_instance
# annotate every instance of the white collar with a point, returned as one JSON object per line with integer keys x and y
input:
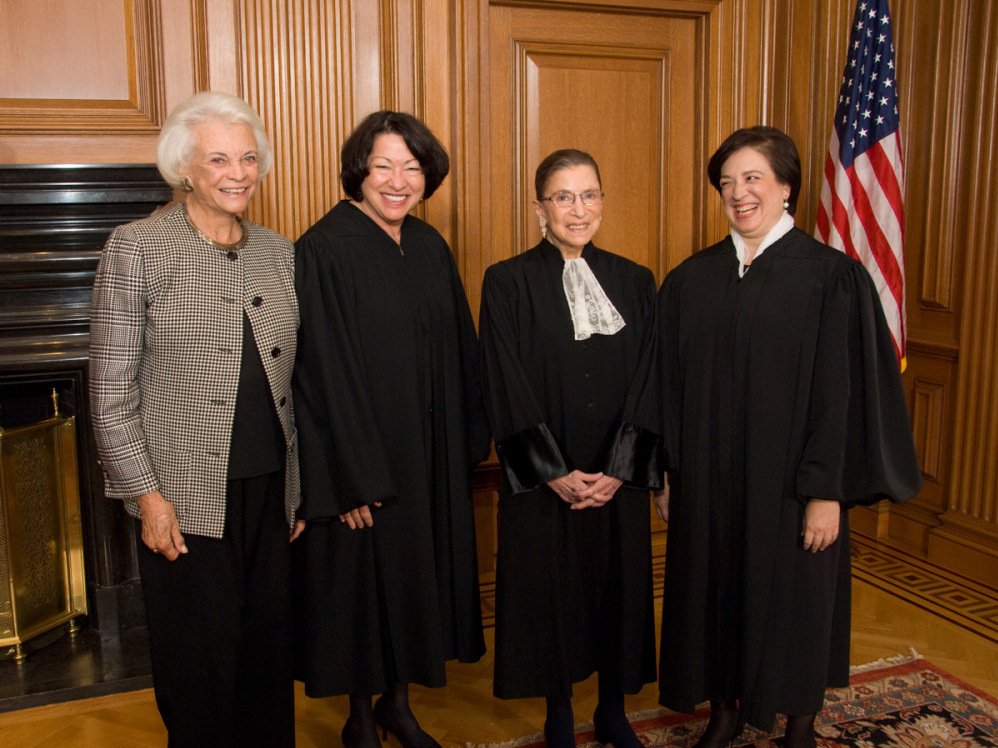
{"x": 776, "y": 233}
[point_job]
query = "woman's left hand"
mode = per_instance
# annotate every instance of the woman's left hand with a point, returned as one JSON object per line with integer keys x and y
{"x": 598, "y": 492}
{"x": 821, "y": 524}
{"x": 297, "y": 528}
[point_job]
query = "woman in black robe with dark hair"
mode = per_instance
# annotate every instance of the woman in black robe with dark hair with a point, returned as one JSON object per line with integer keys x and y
{"x": 783, "y": 407}
{"x": 391, "y": 425}
{"x": 568, "y": 335}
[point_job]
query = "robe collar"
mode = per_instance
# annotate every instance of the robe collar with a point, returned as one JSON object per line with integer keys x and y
{"x": 776, "y": 233}
{"x": 552, "y": 253}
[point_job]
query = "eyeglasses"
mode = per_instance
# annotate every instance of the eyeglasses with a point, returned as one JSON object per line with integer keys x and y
{"x": 567, "y": 199}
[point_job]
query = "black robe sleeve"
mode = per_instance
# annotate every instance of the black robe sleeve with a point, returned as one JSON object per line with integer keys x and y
{"x": 634, "y": 453}
{"x": 344, "y": 464}
{"x": 859, "y": 447}
{"x": 478, "y": 433}
{"x": 669, "y": 362}
{"x": 528, "y": 451}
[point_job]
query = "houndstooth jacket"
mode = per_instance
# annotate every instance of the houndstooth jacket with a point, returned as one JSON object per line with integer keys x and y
{"x": 165, "y": 350}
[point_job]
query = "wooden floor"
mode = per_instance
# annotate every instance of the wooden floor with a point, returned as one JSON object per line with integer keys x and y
{"x": 465, "y": 711}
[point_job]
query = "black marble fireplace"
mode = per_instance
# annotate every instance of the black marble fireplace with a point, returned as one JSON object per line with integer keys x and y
{"x": 53, "y": 222}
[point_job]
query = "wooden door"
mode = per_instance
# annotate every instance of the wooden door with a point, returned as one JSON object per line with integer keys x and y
{"x": 622, "y": 86}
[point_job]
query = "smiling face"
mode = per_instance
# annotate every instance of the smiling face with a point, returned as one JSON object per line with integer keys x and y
{"x": 223, "y": 172}
{"x": 394, "y": 184}
{"x": 753, "y": 197}
{"x": 570, "y": 229}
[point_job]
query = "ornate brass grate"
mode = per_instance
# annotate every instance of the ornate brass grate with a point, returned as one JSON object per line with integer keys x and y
{"x": 41, "y": 539}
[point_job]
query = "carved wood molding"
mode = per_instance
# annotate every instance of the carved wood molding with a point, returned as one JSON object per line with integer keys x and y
{"x": 929, "y": 43}
{"x": 141, "y": 111}
{"x": 297, "y": 63}
{"x": 974, "y": 492}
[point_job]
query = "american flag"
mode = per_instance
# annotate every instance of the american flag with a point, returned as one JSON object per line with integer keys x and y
{"x": 862, "y": 210}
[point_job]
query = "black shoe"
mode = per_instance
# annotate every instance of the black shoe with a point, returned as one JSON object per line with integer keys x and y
{"x": 559, "y": 726}
{"x": 800, "y": 732}
{"x": 611, "y": 726}
{"x": 402, "y": 724}
{"x": 722, "y": 729}
{"x": 360, "y": 733}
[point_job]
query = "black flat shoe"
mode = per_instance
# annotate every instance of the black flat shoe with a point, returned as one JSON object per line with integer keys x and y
{"x": 723, "y": 728}
{"x": 359, "y": 733}
{"x": 800, "y": 732}
{"x": 402, "y": 724}
{"x": 559, "y": 724}
{"x": 556, "y": 736}
{"x": 611, "y": 726}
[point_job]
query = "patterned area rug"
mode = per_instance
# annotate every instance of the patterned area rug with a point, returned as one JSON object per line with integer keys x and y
{"x": 907, "y": 704}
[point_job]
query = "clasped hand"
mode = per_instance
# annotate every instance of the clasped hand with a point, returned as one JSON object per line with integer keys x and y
{"x": 585, "y": 490}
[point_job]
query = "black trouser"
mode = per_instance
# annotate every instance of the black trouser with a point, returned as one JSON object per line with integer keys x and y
{"x": 219, "y": 626}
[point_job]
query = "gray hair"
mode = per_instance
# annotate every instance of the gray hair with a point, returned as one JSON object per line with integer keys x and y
{"x": 176, "y": 140}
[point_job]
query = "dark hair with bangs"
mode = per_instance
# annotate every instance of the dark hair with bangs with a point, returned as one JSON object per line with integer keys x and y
{"x": 775, "y": 145}
{"x": 422, "y": 143}
{"x": 563, "y": 159}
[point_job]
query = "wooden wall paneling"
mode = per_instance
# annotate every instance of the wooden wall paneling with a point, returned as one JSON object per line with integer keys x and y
{"x": 184, "y": 46}
{"x": 470, "y": 158}
{"x": 402, "y": 55}
{"x": 165, "y": 49}
{"x": 434, "y": 39}
{"x": 969, "y": 533}
{"x": 929, "y": 41}
{"x": 80, "y": 80}
{"x": 743, "y": 80}
{"x": 314, "y": 69}
{"x": 627, "y": 85}
{"x": 814, "y": 49}
{"x": 97, "y": 68}
{"x": 307, "y": 66}
{"x": 933, "y": 51}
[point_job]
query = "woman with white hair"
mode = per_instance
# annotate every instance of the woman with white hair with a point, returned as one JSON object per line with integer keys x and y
{"x": 193, "y": 334}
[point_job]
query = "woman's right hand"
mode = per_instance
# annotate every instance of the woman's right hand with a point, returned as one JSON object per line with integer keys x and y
{"x": 160, "y": 530}
{"x": 568, "y": 486}
{"x": 661, "y": 500}
{"x": 359, "y": 517}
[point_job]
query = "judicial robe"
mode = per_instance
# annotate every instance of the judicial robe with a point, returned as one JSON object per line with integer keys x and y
{"x": 573, "y": 587}
{"x": 389, "y": 409}
{"x": 779, "y": 386}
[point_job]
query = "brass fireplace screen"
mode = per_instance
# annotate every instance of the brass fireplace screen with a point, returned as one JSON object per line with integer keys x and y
{"x": 41, "y": 540}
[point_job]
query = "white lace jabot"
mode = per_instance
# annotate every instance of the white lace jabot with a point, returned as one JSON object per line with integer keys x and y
{"x": 592, "y": 311}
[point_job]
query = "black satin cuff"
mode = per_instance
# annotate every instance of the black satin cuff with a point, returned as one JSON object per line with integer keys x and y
{"x": 530, "y": 458}
{"x": 636, "y": 457}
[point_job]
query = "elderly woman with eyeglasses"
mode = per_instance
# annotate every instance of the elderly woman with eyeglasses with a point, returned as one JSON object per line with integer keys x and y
{"x": 567, "y": 333}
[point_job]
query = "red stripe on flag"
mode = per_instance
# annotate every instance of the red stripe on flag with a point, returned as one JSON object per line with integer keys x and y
{"x": 888, "y": 179}
{"x": 879, "y": 245}
{"x": 840, "y": 216}
{"x": 822, "y": 220}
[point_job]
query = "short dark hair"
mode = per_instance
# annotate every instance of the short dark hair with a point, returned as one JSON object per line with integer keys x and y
{"x": 422, "y": 143}
{"x": 563, "y": 159}
{"x": 775, "y": 145}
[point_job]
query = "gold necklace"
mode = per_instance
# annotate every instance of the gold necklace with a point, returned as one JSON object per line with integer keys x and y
{"x": 235, "y": 246}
